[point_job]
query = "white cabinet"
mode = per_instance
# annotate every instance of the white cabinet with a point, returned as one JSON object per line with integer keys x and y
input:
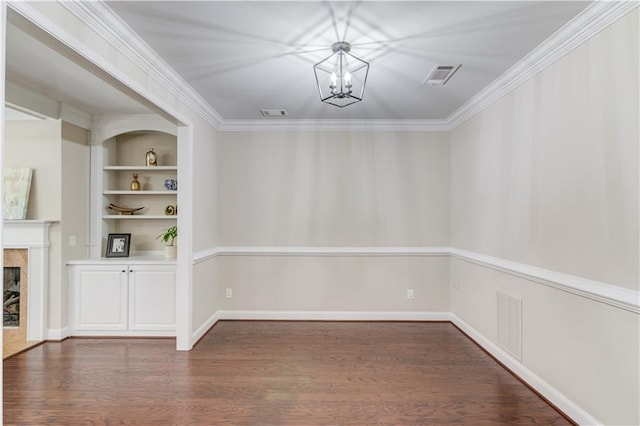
{"x": 99, "y": 298}
{"x": 152, "y": 298}
{"x": 122, "y": 300}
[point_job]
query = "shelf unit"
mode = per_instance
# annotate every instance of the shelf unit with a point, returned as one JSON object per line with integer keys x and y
{"x": 139, "y": 217}
{"x": 139, "y": 193}
{"x": 120, "y": 156}
{"x": 142, "y": 168}
{"x": 133, "y": 296}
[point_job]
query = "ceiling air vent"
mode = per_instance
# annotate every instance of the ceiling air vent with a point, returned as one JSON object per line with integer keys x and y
{"x": 440, "y": 74}
{"x": 274, "y": 112}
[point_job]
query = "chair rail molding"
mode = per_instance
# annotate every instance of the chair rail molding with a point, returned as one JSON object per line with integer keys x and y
{"x": 602, "y": 292}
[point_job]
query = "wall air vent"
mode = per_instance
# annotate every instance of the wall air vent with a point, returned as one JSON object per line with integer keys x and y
{"x": 440, "y": 74}
{"x": 510, "y": 324}
{"x": 274, "y": 112}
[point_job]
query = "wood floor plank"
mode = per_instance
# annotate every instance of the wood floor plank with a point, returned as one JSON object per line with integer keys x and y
{"x": 272, "y": 373}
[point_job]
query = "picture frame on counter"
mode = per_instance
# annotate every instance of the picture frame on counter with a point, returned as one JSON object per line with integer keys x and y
{"x": 118, "y": 245}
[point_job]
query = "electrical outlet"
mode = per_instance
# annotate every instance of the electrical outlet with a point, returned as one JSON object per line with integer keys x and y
{"x": 410, "y": 294}
{"x": 228, "y": 293}
{"x": 73, "y": 241}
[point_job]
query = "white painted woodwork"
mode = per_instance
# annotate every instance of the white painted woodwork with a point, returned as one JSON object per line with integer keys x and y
{"x": 142, "y": 168}
{"x": 99, "y": 298}
{"x": 33, "y": 235}
{"x": 122, "y": 299}
{"x": 152, "y": 302}
{"x": 601, "y": 292}
{"x": 106, "y": 171}
{"x": 137, "y": 217}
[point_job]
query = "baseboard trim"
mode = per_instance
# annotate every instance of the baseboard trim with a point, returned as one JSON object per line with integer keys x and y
{"x": 333, "y": 316}
{"x": 58, "y": 334}
{"x": 123, "y": 333}
{"x": 555, "y": 397}
{"x": 204, "y": 328}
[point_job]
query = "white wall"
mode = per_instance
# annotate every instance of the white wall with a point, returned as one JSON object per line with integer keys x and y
{"x": 548, "y": 176}
{"x": 38, "y": 144}
{"x": 75, "y": 179}
{"x": 59, "y": 154}
{"x": 205, "y": 193}
{"x": 333, "y": 189}
{"x": 335, "y": 283}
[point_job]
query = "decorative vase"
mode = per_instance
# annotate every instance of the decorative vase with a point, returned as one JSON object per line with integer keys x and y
{"x": 171, "y": 184}
{"x": 151, "y": 159}
{"x": 170, "y": 252}
{"x": 135, "y": 184}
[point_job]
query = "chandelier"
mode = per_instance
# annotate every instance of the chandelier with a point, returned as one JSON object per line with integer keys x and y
{"x": 341, "y": 77}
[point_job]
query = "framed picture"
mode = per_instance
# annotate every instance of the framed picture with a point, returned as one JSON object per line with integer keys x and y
{"x": 118, "y": 245}
{"x": 15, "y": 195}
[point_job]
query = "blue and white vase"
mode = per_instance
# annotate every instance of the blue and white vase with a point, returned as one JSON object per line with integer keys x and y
{"x": 171, "y": 184}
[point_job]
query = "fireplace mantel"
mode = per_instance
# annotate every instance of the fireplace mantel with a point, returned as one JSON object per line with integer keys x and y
{"x": 32, "y": 235}
{"x": 26, "y": 233}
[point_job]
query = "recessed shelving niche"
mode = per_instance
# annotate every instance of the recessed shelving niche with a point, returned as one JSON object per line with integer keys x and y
{"x": 124, "y": 155}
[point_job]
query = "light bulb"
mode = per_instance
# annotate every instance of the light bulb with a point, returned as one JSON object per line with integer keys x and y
{"x": 347, "y": 79}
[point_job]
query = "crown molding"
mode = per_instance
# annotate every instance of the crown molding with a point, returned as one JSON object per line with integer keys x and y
{"x": 106, "y": 24}
{"x": 593, "y": 19}
{"x": 278, "y": 124}
{"x": 102, "y": 20}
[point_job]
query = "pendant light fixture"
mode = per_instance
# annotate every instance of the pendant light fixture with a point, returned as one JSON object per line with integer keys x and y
{"x": 341, "y": 77}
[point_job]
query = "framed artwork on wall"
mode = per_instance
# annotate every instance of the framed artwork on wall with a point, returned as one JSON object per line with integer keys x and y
{"x": 16, "y": 187}
{"x": 118, "y": 245}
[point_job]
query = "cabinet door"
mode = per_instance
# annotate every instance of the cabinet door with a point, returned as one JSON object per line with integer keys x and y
{"x": 152, "y": 298}
{"x": 99, "y": 298}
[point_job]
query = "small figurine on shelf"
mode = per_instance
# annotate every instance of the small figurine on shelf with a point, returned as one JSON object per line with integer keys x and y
{"x": 151, "y": 158}
{"x": 135, "y": 183}
{"x": 171, "y": 184}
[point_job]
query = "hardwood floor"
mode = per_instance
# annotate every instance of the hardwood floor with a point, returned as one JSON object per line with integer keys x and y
{"x": 12, "y": 345}
{"x": 276, "y": 373}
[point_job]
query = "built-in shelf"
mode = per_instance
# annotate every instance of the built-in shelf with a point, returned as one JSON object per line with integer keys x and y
{"x": 138, "y": 217}
{"x": 142, "y": 168}
{"x": 129, "y": 192}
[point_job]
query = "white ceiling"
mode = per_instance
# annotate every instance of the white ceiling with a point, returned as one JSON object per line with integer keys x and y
{"x": 245, "y": 56}
{"x": 242, "y": 57}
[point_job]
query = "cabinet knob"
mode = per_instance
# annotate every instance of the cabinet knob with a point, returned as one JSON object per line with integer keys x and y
{"x": 130, "y": 270}
{"x": 124, "y": 270}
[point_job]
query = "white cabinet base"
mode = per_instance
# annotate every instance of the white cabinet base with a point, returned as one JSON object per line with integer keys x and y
{"x": 122, "y": 300}
{"x": 152, "y": 300}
